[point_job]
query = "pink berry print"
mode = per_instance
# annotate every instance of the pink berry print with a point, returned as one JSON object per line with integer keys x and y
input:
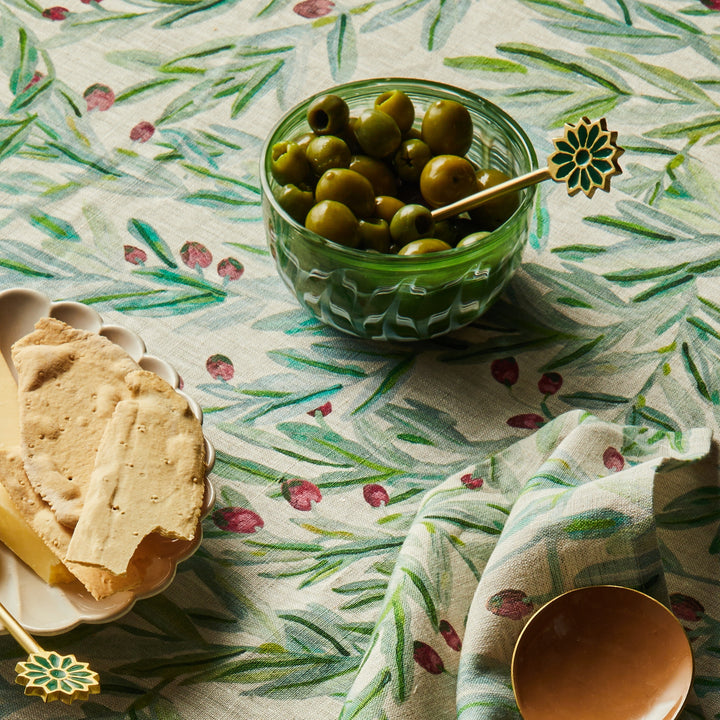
{"x": 99, "y": 97}
{"x": 230, "y": 268}
{"x": 36, "y": 78}
{"x": 220, "y": 367}
{"x": 526, "y": 421}
{"x": 375, "y": 495}
{"x": 301, "y": 494}
{"x": 143, "y": 131}
{"x": 505, "y": 371}
{"x": 550, "y": 383}
{"x": 55, "y": 13}
{"x": 195, "y": 254}
{"x": 313, "y": 8}
{"x": 87, "y": 2}
{"x": 686, "y": 608}
{"x": 712, "y": 4}
{"x": 427, "y": 658}
{"x": 238, "y": 520}
{"x": 470, "y": 482}
{"x": 613, "y": 460}
{"x": 134, "y": 255}
{"x": 451, "y": 637}
{"x": 325, "y": 409}
{"x": 513, "y": 604}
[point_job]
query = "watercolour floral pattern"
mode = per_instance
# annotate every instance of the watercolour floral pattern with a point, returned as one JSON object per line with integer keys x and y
{"x": 374, "y": 501}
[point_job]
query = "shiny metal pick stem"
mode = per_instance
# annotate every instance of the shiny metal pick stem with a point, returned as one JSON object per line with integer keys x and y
{"x": 471, "y": 201}
{"x": 18, "y": 632}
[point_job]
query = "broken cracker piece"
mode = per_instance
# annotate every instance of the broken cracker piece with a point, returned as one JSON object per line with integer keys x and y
{"x": 41, "y": 519}
{"x": 69, "y": 382}
{"x": 149, "y": 476}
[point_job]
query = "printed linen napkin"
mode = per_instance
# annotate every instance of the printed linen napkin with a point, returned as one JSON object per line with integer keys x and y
{"x": 581, "y": 502}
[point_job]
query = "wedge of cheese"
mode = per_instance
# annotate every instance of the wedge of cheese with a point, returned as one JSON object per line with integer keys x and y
{"x": 15, "y": 532}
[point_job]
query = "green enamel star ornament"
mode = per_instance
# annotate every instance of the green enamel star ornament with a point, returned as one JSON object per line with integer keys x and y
{"x": 57, "y": 677}
{"x": 46, "y": 673}
{"x": 585, "y": 159}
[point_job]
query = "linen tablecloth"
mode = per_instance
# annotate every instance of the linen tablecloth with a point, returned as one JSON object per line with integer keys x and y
{"x": 388, "y": 516}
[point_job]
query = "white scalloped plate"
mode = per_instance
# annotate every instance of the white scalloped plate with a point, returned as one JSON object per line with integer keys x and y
{"x": 46, "y": 610}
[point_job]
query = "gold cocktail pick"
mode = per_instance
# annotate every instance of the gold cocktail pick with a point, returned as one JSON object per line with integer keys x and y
{"x": 46, "y": 673}
{"x": 585, "y": 159}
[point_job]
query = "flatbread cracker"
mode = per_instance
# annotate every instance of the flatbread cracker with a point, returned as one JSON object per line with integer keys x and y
{"x": 37, "y": 513}
{"x": 69, "y": 382}
{"x": 149, "y": 476}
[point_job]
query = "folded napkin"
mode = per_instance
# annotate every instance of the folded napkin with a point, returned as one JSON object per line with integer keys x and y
{"x": 580, "y": 502}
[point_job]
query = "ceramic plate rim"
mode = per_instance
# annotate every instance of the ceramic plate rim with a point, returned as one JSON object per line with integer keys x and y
{"x": 27, "y": 306}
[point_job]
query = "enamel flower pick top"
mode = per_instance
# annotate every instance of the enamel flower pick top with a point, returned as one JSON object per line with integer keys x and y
{"x": 585, "y": 159}
{"x": 56, "y": 677}
{"x": 46, "y": 673}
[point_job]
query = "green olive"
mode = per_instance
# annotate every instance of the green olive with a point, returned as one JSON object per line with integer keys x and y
{"x": 288, "y": 163}
{"x": 304, "y": 140}
{"x": 326, "y": 152}
{"x": 447, "y": 178}
{"x": 375, "y": 235}
{"x": 378, "y": 134}
{"x": 411, "y": 222}
{"x": 493, "y": 213}
{"x": 399, "y": 106}
{"x": 447, "y": 128}
{"x": 328, "y": 115}
{"x": 386, "y": 206}
{"x": 413, "y": 134}
{"x": 334, "y": 221}
{"x": 424, "y": 246}
{"x": 410, "y": 159}
{"x": 295, "y": 202}
{"x": 348, "y": 187}
{"x": 379, "y": 173}
{"x": 473, "y": 239}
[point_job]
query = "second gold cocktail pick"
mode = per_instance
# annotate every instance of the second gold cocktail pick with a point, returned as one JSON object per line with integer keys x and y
{"x": 585, "y": 159}
{"x": 47, "y": 674}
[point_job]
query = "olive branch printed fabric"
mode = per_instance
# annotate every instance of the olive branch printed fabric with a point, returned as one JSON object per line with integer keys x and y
{"x": 388, "y": 516}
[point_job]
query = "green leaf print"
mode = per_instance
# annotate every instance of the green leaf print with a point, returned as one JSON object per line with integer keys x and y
{"x": 145, "y": 233}
{"x": 595, "y": 524}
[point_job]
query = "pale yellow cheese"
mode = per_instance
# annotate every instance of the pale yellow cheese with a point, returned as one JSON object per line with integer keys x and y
{"x": 15, "y": 533}
{"x": 9, "y": 410}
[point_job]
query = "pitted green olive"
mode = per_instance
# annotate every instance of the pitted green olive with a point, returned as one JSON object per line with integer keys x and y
{"x": 289, "y": 164}
{"x": 304, "y": 140}
{"x": 424, "y": 246}
{"x": 375, "y": 235}
{"x": 410, "y": 159}
{"x": 386, "y": 206}
{"x": 447, "y": 128}
{"x": 447, "y": 178}
{"x": 348, "y": 187}
{"x": 399, "y": 106}
{"x": 328, "y": 115}
{"x": 378, "y": 134}
{"x": 334, "y": 221}
{"x": 473, "y": 239}
{"x": 411, "y": 222}
{"x": 326, "y": 152}
{"x": 377, "y": 172}
{"x": 493, "y": 213}
{"x": 295, "y": 202}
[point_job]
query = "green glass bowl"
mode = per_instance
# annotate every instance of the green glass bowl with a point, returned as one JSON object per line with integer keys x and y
{"x": 393, "y": 297}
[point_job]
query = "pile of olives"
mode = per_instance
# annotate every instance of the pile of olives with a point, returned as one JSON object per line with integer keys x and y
{"x": 371, "y": 181}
